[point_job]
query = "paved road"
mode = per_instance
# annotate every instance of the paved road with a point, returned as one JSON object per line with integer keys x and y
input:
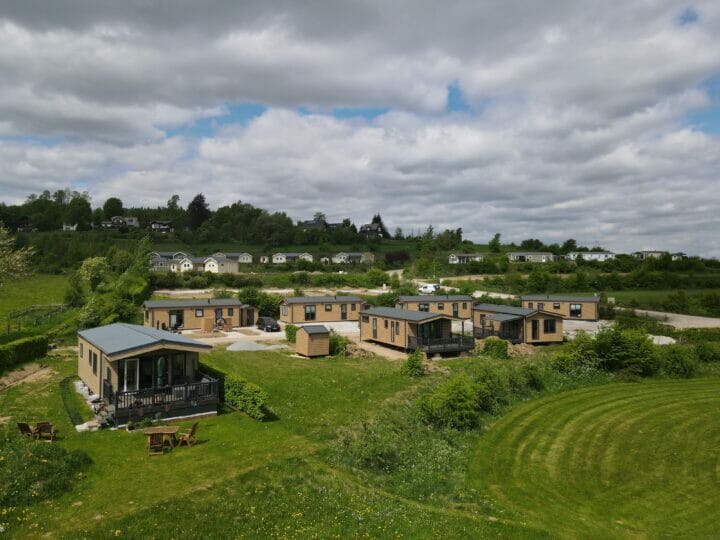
{"x": 681, "y": 321}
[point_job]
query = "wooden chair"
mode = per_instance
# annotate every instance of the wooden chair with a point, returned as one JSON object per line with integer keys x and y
{"x": 189, "y": 437}
{"x": 156, "y": 444}
{"x": 45, "y": 430}
{"x": 25, "y": 429}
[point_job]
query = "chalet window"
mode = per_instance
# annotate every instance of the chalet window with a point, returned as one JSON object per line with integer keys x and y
{"x": 576, "y": 310}
{"x": 441, "y": 305}
{"x": 199, "y": 313}
{"x": 530, "y": 305}
{"x": 94, "y": 363}
{"x": 549, "y": 326}
{"x": 397, "y": 327}
{"x": 386, "y": 323}
{"x": 423, "y": 307}
{"x": 231, "y": 312}
{"x": 365, "y": 318}
{"x": 81, "y": 350}
{"x": 178, "y": 367}
{"x": 352, "y": 307}
{"x": 285, "y": 310}
{"x": 147, "y": 315}
{"x": 310, "y": 313}
{"x": 541, "y": 306}
{"x": 556, "y": 305}
{"x": 89, "y": 357}
{"x": 464, "y": 305}
{"x": 328, "y": 307}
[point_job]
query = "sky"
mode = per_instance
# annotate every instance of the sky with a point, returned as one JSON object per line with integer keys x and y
{"x": 598, "y": 121}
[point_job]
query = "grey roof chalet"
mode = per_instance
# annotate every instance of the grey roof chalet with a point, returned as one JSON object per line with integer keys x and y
{"x": 530, "y": 253}
{"x": 320, "y": 299}
{"x": 118, "y": 338}
{"x": 560, "y": 298}
{"x": 370, "y": 227}
{"x": 292, "y": 254}
{"x": 403, "y": 314}
{"x": 229, "y": 254}
{"x": 193, "y": 303}
{"x": 504, "y": 317}
{"x": 436, "y": 298}
{"x": 506, "y": 310}
{"x": 315, "y": 329}
{"x": 194, "y": 260}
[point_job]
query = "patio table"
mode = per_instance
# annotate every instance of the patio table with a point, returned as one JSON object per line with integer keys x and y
{"x": 169, "y": 431}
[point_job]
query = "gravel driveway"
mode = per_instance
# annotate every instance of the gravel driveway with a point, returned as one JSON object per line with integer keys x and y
{"x": 681, "y": 321}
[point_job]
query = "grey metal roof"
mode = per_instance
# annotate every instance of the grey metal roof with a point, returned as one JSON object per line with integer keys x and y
{"x": 320, "y": 299}
{"x": 560, "y": 298}
{"x": 530, "y": 253}
{"x": 507, "y": 310}
{"x": 504, "y": 317}
{"x": 291, "y": 254}
{"x": 436, "y": 298}
{"x": 230, "y": 254}
{"x": 193, "y": 302}
{"x": 403, "y": 314}
{"x": 315, "y": 329}
{"x": 122, "y": 337}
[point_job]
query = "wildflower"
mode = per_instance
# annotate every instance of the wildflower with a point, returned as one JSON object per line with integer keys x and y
{"x": 117, "y": 532}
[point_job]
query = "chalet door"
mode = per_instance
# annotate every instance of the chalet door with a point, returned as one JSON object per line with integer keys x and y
{"x": 218, "y": 314}
{"x": 176, "y": 319}
{"x": 374, "y": 328}
{"x": 129, "y": 375}
{"x": 343, "y": 312}
{"x": 392, "y": 330}
{"x": 535, "y": 330}
{"x": 250, "y": 317}
{"x": 455, "y": 310}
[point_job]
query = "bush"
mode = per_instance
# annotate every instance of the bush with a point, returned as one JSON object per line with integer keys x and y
{"x": 32, "y": 471}
{"x": 452, "y": 405}
{"x": 338, "y": 344}
{"x": 579, "y": 354}
{"x": 626, "y": 350}
{"x": 495, "y": 347}
{"x": 707, "y": 352}
{"x": 22, "y": 350}
{"x": 246, "y": 397}
{"x": 413, "y": 366}
{"x": 70, "y": 401}
{"x": 679, "y": 361}
{"x": 291, "y": 332}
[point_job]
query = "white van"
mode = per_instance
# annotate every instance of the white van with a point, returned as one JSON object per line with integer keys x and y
{"x": 428, "y": 288}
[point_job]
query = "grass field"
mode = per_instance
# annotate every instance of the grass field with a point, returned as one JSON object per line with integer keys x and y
{"x": 36, "y": 289}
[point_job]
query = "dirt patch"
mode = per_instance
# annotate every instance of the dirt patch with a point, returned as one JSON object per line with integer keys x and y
{"x": 28, "y": 373}
{"x": 206, "y": 335}
{"x": 385, "y": 352}
{"x": 247, "y": 332}
{"x": 4, "y": 419}
{"x": 514, "y": 351}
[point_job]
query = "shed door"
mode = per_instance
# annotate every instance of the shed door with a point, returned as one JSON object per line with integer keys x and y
{"x": 455, "y": 310}
{"x": 343, "y": 312}
{"x": 250, "y": 317}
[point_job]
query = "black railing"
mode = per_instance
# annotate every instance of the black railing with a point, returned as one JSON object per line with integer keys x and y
{"x": 196, "y": 393}
{"x": 453, "y": 343}
{"x": 482, "y": 333}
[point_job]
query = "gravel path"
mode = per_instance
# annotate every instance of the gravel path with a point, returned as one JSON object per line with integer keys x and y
{"x": 681, "y": 321}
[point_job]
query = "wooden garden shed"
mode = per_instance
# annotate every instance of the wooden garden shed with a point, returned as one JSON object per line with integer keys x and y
{"x": 312, "y": 340}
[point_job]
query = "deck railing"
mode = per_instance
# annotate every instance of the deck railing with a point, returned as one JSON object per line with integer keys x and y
{"x": 454, "y": 343}
{"x": 200, "y": 392}
{"x": 482, "y": 333}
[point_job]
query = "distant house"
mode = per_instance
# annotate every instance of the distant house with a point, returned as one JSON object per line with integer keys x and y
{"x": 239, "y": 257}
{"x": 577, "y": 307}
{"x": 312, "y": 340}
{"x": 412, "y": 330}
{"x": 200, "y": 314}
{"x": 371, "y": 230}
{"x": 516, "y": 324}
{"x": 649, "y": 254}
{"x": 25, "y": 224}
{"x": 161, "y": 226}
{"x": 678, "y": 256}
{"x": 188, "y": 264}
{"x": 531, "y": 257}
{"x": 302, "y": 309}
{"x": 264, "y": 259}
{"x": 313, "y": 224}
{"x": 333, "y": 226}
{"x": 162, "y": 261}
{"x": 66, "y": 227}
{"x": 353, "y": 258}
{"x": 140, "y": 372}
{"x": 280, "y": 258}
{"x": 118, "y": 222}
{"x": 458, "y": 306}
{"x": 600, "y": 256}
{"x": 160, "y": 264}
{"x": 220, "y": 265}
{"x": 464, "y": 258}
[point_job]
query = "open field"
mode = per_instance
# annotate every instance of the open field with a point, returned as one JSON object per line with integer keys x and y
{"x": 36, "y": 289}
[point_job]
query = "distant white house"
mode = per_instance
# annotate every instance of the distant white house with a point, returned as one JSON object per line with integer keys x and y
{"x": 161, "y": 226}
{"x": 353, "y": 257}
{"x": 600, "y": 256}
{"x": 241, "y": 258}
{"x": 649, "y": 254}
{"x": 531, "y": 257}
{"x": 464, "y": 258}
{"x": 69, "y": 228}
{"x": 264, "y": 259}
{"x": 280, "y": 258}
{"x": 187, "y": 264}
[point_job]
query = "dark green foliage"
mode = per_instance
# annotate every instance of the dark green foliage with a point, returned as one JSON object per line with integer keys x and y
{"x": 338, "y": 344}
{"x": 629, "y": 351}
{"x": 198, "y": 211}
{"x": 452, "y": 404}
{"x": 246, "y": 397}
{"x": 495, "y": 347}
{"x": 678, "y": 361}
{"x": 32, "y": 471}
{"x": 266, "y": 304}
{"x": 577, "y": 355}
{"x": 70, "y": 402}
{"x": 21, "y": 351}
{"x": 75, "y": 293}
{"x": 413, "y": 366}
{"x": 707, "y": 351}
{"x": 291, "y": 332}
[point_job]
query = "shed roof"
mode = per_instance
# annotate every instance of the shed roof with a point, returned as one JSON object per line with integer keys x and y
{"x": 320, "y": 299}
{"x": 197, "y": 302}
{"x": 404, "y": 314}
{"x": 436, "y": 298}
{"x": 122, "y": 337}
{"x": 314, "y": 329}
{"x": 560, "y": 298}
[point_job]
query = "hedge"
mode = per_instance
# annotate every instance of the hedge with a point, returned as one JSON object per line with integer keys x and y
{"x": 247, "y": 397}
{"x": 22, "y": 350}
{"x": 72, "y": 407}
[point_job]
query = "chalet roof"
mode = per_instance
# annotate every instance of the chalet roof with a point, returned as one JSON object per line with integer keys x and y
{"x": 316, "y": 329}
{"x": 507, "y": 310}
{"x": 193, "y": 303}
{"x": 436, "y": 298}
{"x": 404, "y": 314}
{"x": 121, "y": 337}
{"x": 560, "y": 298}
{"x": 320, "y": 299}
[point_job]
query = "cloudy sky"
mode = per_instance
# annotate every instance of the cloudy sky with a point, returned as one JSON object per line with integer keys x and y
{"x": 585, "y": 119}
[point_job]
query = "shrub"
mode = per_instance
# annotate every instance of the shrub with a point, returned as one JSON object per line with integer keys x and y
{"x": 452, "y": 404}
{"x": 679, "y": 361}
{"x": 32, "y": 472}
{"x": 707, "y": 352}
{"x": 291, "y": 332}
{"x": 579, "y": 354}
{"x": 626, "y": 350}
{"x": 70, "y": 401}
{"x": 338, "y": 344}
{"x": 495, "y": 347}
{"x": 492, "y": 388}
{"x": 22, "y": 350}
{"x": 413, "y": 366}
{"x": 246, "y": 397}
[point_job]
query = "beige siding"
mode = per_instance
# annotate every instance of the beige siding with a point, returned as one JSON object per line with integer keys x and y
{"x": 93, "y": 379}
{"x": 441, "y": 306}
{"x": 544, "y": 337}
{"x": 590, "y": 310}
{"x": 156, "y": 317}
{"x": 385, "y": 334}
{"x": 295, "y": 313}
{"x": 312, "y": 344}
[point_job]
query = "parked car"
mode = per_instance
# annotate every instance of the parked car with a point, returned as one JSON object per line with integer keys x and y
{"x": 428, "y": 288}
{"x": 268, "y": 324}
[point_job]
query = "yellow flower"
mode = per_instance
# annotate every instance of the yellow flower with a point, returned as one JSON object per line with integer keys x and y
{"x": 118, "y": 532}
